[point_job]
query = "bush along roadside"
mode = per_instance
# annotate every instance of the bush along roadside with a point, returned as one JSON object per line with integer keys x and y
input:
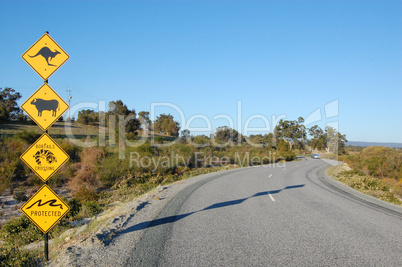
{"x": 384, "y": 189}
{"x": 376, "y": 171}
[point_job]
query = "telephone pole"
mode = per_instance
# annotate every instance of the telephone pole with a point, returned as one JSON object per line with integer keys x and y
{"x": 69, "y": 101}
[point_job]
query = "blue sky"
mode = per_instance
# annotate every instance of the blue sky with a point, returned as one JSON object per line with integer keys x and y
{"x": 214, "y": 60}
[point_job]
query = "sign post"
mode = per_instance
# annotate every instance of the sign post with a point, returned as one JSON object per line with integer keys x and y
{"x": 45, "y": 156}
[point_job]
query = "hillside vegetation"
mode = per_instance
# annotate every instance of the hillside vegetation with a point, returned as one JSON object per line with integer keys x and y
{"x": 376, "y": 171}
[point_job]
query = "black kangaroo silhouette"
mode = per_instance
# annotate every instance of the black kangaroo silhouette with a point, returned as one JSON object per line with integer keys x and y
{"x": 46, "y": 53}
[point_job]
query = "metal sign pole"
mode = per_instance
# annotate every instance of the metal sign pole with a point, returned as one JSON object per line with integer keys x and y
{"x": 46, "y": 247}
{"x": 46, "y": 235}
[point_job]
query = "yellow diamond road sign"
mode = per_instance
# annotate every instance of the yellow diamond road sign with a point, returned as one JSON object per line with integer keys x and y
{"x": 45, "y": 56}
{"x": 44, "y": 107}
{"x": 44, "y": 157}
{"x": 45, "y": 208}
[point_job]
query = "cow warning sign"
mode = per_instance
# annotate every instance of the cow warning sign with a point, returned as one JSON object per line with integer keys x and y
{"x": 45, "y": 56}
{"x": 44, "y": 157}
{"x": 45, "y": 208}
{"x": 44, "y": 107}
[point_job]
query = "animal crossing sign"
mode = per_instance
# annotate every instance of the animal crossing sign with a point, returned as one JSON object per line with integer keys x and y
{"x": 44, "y": 157}
{"x": 44, "y": 107}
{"x": 45, "y": 56}
{"x": 45, "y": 208}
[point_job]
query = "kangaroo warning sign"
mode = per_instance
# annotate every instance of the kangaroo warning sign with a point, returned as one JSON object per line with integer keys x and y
{"x": 44, "y": 107}
{"x": 44, "y": 157}
{"x": 45, "y": 208}
{"x": 45, "y": 56}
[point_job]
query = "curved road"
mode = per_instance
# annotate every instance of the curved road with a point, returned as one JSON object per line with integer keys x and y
{"x": 281, "y": 215}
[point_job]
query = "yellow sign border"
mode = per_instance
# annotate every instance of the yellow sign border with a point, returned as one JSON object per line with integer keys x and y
{"x": 45, "y": 34}
{"x": 33, "y": 169}
{"x": 37, "y": 225}
{"x": 56, "y": 118}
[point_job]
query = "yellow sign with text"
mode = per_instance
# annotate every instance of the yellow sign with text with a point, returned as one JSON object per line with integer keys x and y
{"x": 45, "y": 56}
{"x": 45, "y": 208}
{"x": 44, "y": 157}
{"x": 44, "y": 107}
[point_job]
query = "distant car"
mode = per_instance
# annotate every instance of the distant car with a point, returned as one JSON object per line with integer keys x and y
{"x": 315, "y": 156}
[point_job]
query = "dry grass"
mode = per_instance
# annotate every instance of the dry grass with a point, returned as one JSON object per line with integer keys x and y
{"x": 385, "y": 189}
{"x": 85, "y": 175}
{"x": 58, "y": 128}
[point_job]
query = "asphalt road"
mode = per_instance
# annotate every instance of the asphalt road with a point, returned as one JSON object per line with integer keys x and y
{"x": 286, "y": 215}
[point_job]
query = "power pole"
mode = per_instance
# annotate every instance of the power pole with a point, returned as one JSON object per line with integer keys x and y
{"x": 69, "y": 101}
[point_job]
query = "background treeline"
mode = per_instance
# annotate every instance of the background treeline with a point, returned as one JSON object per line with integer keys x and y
{"x": 293, "y": 132}
{"x": 9, "y": 109}
{"x": 163, "y": 124}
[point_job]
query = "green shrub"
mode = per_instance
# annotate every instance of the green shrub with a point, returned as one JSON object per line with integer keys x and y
{"x": 19, "y": 194}
{"x": 20, "y": 231}
{"x": 72, "y": 150}
{"x": 85, "y": 194}
{"x": 385, "y": 189}
{"x": 75, "y": 207}
{"x": 146, "y": 148}
{"x": 381, "y": 162}
{"x": 289, "y": 156}
{"x": 112, "y": 169}
{"x": 94, "y": 207}
{"x": 13, "y": 256}
{"x": 7, "y": 173}
{"x": 28, "y": 137}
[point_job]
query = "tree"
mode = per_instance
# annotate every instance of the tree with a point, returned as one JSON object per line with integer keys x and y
{"x": 9, "y": 109}
{"x": 185, "y": 134}
{"x": 318, "y": 139}
{"x": 257, "y": 139}
{"x": 301, "y": 140}
{"x": 335, "y": 142}
{"x": 292, "y": 132}
{"x": 201, "y": 140}
{"x": 127, "y": 117}
{"x": 145, "y": 121}
{"x": 88, "y": 117}
{"x": 265, "y": 140}
{"x": 342, "y": 143}
{"x": 226, "y": 135}
{"x": 165, "y": 124}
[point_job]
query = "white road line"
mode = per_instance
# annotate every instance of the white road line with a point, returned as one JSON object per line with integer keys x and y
{"x": 270, "y": 175}
{"x": 272, "y": 198}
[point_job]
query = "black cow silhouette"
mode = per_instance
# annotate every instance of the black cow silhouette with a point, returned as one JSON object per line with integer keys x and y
{"x": 50, "y": 105}
{"x": 46, "y": 53}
